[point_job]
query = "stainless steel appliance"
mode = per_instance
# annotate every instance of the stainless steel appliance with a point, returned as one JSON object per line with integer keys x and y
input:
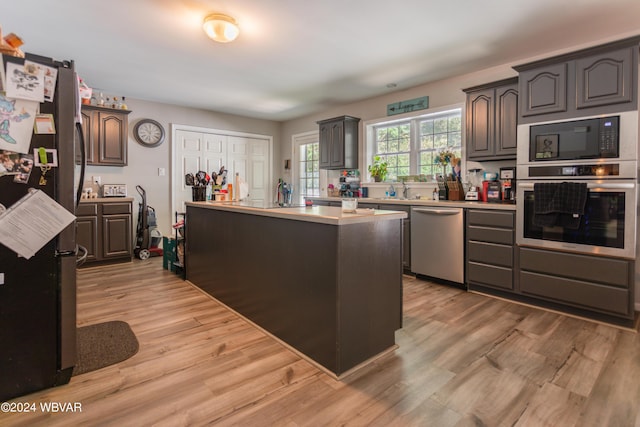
{"x": 608, "y": 226}
{"x": 576, "y": 148}
{"x": 598, "y": 151}
{"x": 114, "y": 190}
{"x": 38, "y": 295}
{"x": 437, "y": 242}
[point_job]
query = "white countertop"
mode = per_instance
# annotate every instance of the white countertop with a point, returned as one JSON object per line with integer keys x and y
{"x": 107, "y": 199}
{"x": 319, "y": 214}
{"x": 426, "y": 202}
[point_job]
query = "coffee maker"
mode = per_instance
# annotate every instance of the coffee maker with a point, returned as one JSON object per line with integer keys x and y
{"x": 508, "y": 179}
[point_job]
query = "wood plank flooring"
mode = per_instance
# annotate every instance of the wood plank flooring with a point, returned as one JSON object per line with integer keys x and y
{"x": 463, "y": 360}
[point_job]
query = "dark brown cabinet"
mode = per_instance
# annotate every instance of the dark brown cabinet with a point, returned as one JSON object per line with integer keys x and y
{"x": 339, "y": 143}
{"x": 105, "y": 133}
{"x": 104, "y": 229}
{"x": 598, "y": 80}
{"x": 492, "y": 120}
{"x": 490, "y": 249}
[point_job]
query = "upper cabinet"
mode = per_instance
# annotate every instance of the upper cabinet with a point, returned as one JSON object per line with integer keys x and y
{"x": 599, "y": 80}
{"x": 339, "y": 143}
{"x": 492, "y": 120}
{"x": 106, "y": 134}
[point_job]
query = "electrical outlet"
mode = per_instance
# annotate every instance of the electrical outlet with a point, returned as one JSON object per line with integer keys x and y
{"x": 161, "y": 172}
{"x": 96, "y": 180}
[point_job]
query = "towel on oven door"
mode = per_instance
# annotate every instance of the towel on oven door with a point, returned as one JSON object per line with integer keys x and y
{"x": 559, "y": 204}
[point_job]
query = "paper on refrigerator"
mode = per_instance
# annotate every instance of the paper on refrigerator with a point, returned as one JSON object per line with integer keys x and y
{"x": 32, "y": 222}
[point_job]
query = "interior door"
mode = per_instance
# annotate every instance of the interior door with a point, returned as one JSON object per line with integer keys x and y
{"x": 196, "y": 150}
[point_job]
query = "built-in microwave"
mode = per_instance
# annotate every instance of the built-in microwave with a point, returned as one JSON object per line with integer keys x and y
{"x": 584, "y": 144}
{"x": 596, "y": 138}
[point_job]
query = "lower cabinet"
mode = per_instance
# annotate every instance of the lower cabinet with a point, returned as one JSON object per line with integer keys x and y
{"x": 490, "y": 249}
{"x": 593, "y": 283}
{"x": 105, "y": 230}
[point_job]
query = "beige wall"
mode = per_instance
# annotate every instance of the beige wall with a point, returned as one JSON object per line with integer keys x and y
{"x": 143, "y": 162}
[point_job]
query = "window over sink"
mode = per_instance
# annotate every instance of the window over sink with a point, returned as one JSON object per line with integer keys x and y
{"x": 411, "y": 144}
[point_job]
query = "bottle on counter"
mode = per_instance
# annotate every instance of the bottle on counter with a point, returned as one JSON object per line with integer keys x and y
{"x": 436, "y": 195}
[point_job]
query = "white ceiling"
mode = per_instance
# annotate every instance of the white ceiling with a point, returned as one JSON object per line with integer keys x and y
{"x": 296, "y": 57}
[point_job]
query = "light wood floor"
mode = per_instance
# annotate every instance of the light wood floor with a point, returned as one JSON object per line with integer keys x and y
{"x": 463, "y": 360}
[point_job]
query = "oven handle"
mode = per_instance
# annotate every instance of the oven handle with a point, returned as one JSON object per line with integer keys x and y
{"x": 606, "y": 185}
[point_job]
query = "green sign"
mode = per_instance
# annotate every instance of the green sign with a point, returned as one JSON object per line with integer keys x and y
{"x": 421, "y": 103}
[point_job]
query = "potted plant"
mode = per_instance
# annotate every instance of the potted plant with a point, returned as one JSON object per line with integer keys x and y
{"x": 378, "y": 169}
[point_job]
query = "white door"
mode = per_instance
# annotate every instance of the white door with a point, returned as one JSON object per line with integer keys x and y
{"x": 249, "y": 157}
{"x": 198, "y": 149}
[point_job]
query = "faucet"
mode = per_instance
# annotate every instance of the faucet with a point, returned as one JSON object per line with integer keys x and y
{"x": 405, "y": 190}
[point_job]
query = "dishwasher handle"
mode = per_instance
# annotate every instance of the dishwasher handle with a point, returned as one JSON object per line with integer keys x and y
{"x": 438, "y": 211}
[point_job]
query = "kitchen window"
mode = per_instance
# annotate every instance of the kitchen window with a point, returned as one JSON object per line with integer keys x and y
{"x": 411, "y": 145}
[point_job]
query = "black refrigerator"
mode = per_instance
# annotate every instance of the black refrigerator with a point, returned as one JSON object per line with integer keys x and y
{"x": 38, "y": 295}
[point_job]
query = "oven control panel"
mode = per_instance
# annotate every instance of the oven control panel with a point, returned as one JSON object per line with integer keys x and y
{"x": 595, "y": 171}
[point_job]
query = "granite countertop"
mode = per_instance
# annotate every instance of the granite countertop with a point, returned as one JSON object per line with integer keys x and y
{"x": 426, "y": 202}
{"x": 319, "y": 214}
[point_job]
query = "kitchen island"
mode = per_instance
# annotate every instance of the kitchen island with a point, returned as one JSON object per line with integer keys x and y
{"x": 325, "y": 282}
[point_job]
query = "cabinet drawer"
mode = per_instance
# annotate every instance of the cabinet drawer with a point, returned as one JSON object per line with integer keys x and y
{"x": 87, "y": 209}
{"x": 576, "y": 292}
{"x": 116, "y": 208}
{"x": 493, "y": 235}
{"x": 490, "y": 253}
{"x": 490, "y": 218}
{"x": 490, "y": 275}
{"x": 614, "y": 272}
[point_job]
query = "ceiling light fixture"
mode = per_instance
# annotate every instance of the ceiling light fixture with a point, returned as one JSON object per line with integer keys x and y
{"x": 221, "y": 28}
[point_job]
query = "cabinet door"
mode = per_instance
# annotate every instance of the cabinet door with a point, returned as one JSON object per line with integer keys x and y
{"x": 543, "y": 90}
{"x": 325, "y": 146}
{"x": 112, "y": 138}
{"x": 506, "y": 120}
{"x": 604, "y": 79}
{"x": 480, "y": 124}
{"x": 336, "y": 151}
{"x": 88, "y": 133}
{"x": 87, "y": 235}
{"x": 116, "y": 231}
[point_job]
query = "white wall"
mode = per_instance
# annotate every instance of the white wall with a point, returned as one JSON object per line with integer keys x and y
{"x": 143, "y": 162}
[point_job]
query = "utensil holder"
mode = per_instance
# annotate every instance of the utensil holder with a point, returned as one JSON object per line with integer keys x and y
{"x": 199, "y": 194}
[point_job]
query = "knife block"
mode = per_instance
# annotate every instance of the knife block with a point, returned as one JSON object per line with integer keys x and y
{"x": 455, "y": 190}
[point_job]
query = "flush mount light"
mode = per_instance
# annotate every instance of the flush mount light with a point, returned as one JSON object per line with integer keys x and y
{"x": 221, "y": 28}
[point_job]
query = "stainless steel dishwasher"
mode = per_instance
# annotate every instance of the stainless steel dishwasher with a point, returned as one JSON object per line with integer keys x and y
{"x": 437, "y": 242}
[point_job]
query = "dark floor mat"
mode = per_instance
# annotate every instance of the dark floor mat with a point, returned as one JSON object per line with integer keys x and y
{"x": 104, "y": 344}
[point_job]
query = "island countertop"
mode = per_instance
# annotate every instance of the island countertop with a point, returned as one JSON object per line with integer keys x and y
{"x": 319, "y": 214}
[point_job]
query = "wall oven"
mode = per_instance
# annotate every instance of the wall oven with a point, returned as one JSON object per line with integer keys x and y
{"x": 599, "y": 152}
{"x": 607, "y": 227}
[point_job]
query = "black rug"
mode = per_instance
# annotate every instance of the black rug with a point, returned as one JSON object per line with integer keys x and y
{"x": 104, "y": 344}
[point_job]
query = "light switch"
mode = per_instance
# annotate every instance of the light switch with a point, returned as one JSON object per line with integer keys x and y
{"x": 161, "y": 171}
{"x": 1, "y": 278}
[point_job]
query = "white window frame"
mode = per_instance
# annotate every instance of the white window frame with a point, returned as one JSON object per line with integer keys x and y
{"x": 370, "y": 136}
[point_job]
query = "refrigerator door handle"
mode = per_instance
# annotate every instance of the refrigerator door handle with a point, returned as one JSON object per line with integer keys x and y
{"x": 83, "y": 162}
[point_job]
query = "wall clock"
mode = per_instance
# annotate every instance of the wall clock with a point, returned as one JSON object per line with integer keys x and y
{"x": 149, "y": 133}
